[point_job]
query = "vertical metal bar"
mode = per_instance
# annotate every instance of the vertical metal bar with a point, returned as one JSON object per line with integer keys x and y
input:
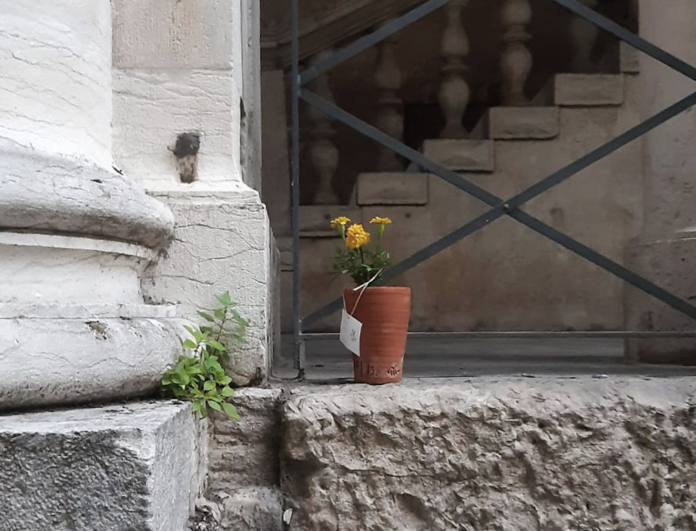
{"x": 295, "y": 191}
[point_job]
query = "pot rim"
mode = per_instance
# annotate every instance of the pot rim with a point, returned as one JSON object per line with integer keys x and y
{"x": 379, "y": 288}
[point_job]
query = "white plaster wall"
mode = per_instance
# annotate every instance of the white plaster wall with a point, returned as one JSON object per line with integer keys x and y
{"x": 55, "y": 73}
{"x": 153, "y": 106}
{"x": 177, "y": 69}
{"x": 251, "y": 145}
{"x": 194, "y": 66}
{"x": 669, "y": 150}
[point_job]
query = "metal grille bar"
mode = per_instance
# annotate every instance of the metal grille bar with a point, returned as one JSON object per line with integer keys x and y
{"x": 499, "y": 208}
{"x": 530, "y": 334}
{"x": 510, "y": 207}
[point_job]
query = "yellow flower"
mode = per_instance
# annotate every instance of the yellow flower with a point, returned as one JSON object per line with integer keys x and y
{"x": 341, "y": 220}
{"x": 380, "y": 221}
{"x": 356, "y": 236}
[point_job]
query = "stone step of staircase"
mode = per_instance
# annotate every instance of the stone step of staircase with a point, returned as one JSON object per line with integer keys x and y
{"x": 522, "y": 123}
{"x": 629, "y": 59}
{"x": 462, "y": 155}
{"x": 588, "y": 90}
{"x": 394, "y": 189}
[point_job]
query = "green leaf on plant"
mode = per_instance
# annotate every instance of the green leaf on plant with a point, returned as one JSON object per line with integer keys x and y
{"x": 223, "y": 379}
{"x": 206, "y": 316}
{"x": 230, "y": 411}
{"x": 216, "y": 345}
{"x": 224, "y": 299}
{"x": 198, "y": 375}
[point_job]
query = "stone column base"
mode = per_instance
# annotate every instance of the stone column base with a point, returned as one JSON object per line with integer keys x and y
{"x": 671, "y": 264}
{"x": 222, "y": 242}
{"x": 102, "y": 469}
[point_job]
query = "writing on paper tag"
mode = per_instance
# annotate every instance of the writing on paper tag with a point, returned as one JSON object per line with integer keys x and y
{"x": 350, "y": 332}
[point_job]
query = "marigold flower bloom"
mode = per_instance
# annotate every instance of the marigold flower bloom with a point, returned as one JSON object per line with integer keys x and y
{"x": 341, "y": 220}
{"x": 380, "y": 221}
{"x": 356, "y": 236}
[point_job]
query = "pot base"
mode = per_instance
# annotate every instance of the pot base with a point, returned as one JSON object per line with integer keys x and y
{"x": 384, "y": 313}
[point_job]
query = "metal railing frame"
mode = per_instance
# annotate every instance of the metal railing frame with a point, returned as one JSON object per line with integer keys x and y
{"x": 499, "y": 207}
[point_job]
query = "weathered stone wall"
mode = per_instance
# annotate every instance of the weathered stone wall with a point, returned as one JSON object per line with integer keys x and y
{"x": 503, "y": 455}
{"x": 243, "y": 490}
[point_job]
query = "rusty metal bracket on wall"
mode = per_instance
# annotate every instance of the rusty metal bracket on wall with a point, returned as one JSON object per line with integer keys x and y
{"x": 499, "y": 207}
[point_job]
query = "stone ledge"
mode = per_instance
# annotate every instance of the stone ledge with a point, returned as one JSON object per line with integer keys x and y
{"x": 523, "y": 123}
{"x": 571, "y": 453}
{"x": 461, "y": 155}
{"x": 588, "y": 90}
{"x": 629, "y": 59}
{"x": 102, "y": 469}
{"x": 392, "y": 189}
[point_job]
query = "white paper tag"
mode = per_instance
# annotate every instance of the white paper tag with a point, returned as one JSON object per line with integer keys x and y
{"x": 350, "y": 332}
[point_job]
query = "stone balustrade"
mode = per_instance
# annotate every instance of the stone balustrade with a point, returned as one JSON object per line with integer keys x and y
{"x": 459, "y": 104}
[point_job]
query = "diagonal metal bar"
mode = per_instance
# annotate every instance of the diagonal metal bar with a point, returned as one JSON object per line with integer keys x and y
{"x": 629, "y": 37}
{"x": 603, "y": 151}
{"x": 417, "y": 258}
{"x": 538, "y": 226}
{"x": 367, "y": 41}
{"x": 502, "y": 208}
{"x": 605, "y": 263}
{"x": 398, "y": 147}
{"x": 460, "y": 182}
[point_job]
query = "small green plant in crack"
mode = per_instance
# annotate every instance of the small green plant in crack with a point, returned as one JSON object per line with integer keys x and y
{"x": 199, "y": 375}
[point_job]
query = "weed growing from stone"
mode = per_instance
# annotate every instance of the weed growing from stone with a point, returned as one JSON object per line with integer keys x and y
{"x": 199, "y": 375}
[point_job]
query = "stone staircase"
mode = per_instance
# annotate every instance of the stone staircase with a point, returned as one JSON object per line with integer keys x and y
{"x": 539, "y": 122}
{"x": 570, "y": 116}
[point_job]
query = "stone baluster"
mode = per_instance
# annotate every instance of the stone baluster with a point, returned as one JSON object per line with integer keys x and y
{"x": 390, "y": 117}
{"x": 516, "y": 60}
{"x": 454, "y": 90}
{"x": 322, "y": 147}
{"x": 583, "y": 35}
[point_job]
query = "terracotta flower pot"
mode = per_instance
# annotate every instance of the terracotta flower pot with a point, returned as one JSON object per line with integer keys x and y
{"x": 384, "y": 313}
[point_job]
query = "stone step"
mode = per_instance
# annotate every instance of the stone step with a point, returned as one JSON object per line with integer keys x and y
{"x": 629, "y": 59}
{"x": 117, "y": 467}
{"x": 588, "y": 90}
{"x": 461, "y": 155}
{"x": 395, "y": 189}
{"x": 522, "y": 123}
{"x": 438, "y": 453}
